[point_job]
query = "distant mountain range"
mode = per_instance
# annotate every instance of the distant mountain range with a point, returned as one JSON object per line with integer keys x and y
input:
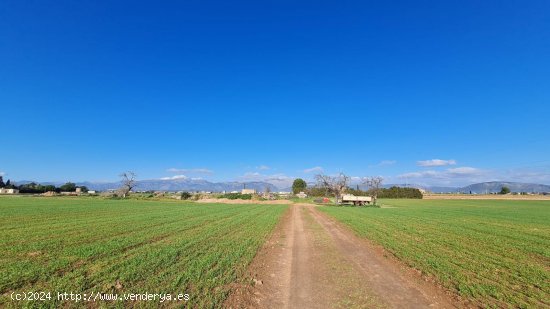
{"x": 483, "y": 188}
{"x": 172, "y": 185}
{"x": 495, "y": 186}
{"x": 204, "y": 185}
{"x": 477, "y": 188}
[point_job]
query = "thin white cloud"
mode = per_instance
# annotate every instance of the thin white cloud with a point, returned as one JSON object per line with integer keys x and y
{"x": 448, "y": 173}
{"x": 263, "y": 167}
{"x": 279, "y": 177}
{"x": 466, "y": 175}
{"x": 419, "y": 174}
{"x": 450, "y": 176}
{"x": 2, "y": 173}
{"x": 174, "y": 177}
{"x": 384, "y": 163}
{"x": 459, "y": 171}
{"x": 251, "y": 175}
{"x": 357, "y": 180}
{"x": 435, "y": 162}
{"x": 190, "y": 170}
{"x": 316, "y": 169}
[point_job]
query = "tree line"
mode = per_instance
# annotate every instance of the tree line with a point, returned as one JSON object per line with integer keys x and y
{"x": 339, "y": 185}
{"x": 392, "y": 192}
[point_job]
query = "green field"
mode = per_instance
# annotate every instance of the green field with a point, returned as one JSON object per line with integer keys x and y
{"x": 495, "y": 253}
{"x": 127, "y": 246}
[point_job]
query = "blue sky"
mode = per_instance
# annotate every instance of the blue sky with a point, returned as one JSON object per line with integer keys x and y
{"x": 272, "y": 90}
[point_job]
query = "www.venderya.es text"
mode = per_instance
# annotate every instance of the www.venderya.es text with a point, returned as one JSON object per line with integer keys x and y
{"x": 98, "y": 296}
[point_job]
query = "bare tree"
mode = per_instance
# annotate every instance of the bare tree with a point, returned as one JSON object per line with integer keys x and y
{"x": 335, "y": 185}
{"x": 374, "y": 184}
{"x": 267, "y": 192}
{"x": 128, "y": 182}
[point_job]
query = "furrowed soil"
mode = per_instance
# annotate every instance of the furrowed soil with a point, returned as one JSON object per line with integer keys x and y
{"x": 311, "y": 261}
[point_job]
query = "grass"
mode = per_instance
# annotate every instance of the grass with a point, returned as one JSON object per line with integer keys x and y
{"x": 494, "y": 253}
{"x": 86, "y": 245}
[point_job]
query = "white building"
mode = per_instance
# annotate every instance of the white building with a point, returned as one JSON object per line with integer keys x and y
{"x": 284, "y": 194}
{"x": 8, "y": 191}
{"x": 248, "y": 191}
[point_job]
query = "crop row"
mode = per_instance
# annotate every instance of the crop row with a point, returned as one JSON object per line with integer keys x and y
{"x": 86, "y": 245}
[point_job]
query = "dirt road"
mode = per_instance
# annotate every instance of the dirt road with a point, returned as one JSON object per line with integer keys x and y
{"x": 311, "y": 261}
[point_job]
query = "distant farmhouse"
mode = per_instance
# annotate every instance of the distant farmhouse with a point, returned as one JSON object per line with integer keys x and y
{"x": 8, "y": 191}
{"x": 284, "y": 194}
{"x": 248, "y": 191}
